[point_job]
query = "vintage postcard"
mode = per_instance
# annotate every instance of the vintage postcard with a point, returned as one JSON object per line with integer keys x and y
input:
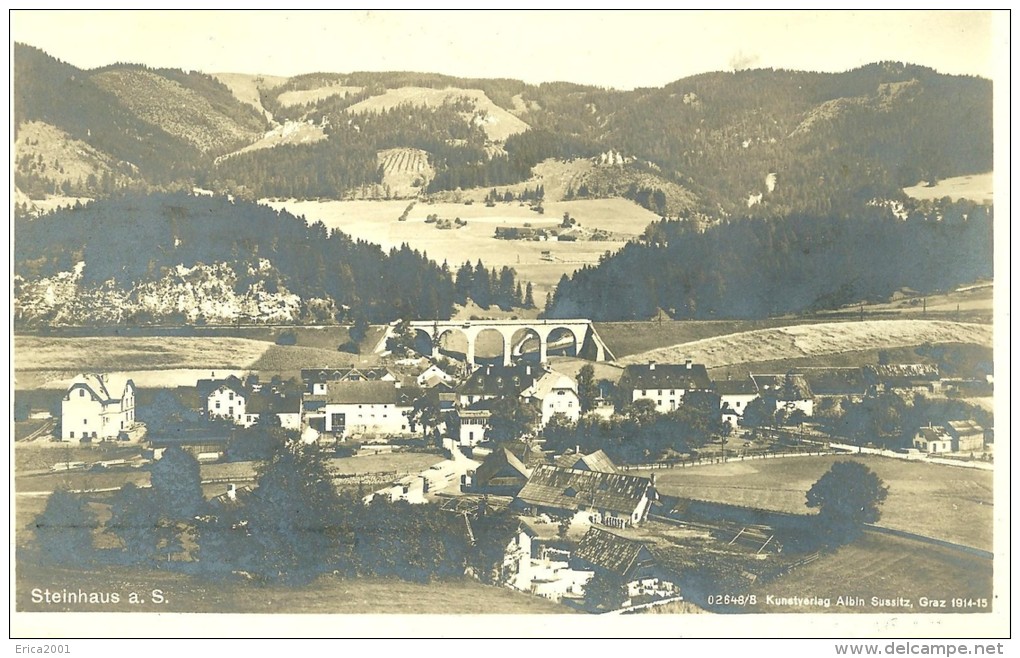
{"x": 510, "y": 324}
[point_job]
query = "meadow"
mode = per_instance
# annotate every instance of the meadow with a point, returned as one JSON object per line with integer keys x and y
{"x": 944, "y": 502}
{"x": 377, "y": 221}
{"x": 977, "y": 187}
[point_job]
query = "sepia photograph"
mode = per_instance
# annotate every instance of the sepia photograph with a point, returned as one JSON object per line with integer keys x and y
{"x": 497, "y": 324}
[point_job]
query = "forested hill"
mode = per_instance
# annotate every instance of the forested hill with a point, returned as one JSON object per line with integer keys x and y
{"x": 184, "y": 258}
{"x": 758, "y": 142}
{"x": 754, "y": 268}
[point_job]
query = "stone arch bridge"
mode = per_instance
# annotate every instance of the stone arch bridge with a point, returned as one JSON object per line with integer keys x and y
{"x": 583, "y": 331}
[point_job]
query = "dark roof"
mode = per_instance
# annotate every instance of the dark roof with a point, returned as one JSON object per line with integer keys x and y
{"x": 611, "y": 552}
{"x": 688, "y": 377}
{"x": 835, "y": 381}
{"x": 783, "y": 387}
{"x": 206, "y": 387}
{"x": 321, "y": 375}
{"x": 503, "y": 463}
{"x": 499, "y": 381}
{"x": 596, "y": 461}
{"x": 366, "y": 392}
{"x": 104, "y": 387}
{"x": 934, "y": 434}
{"x": 571, "y": 489}
{"x": 736, "y": 387}
{"x": 273, "y": 404}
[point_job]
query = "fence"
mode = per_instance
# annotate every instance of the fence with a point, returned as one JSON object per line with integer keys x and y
{"x": 701, "y": 461}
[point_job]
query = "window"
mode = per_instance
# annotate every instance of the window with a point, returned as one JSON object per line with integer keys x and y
{"x": 81, "y": 392}
{"x": 231, "y": 396}
{"x": 570, "y": 405}
{"x": 72, "y": 435}
{"x": 217, "y": 405}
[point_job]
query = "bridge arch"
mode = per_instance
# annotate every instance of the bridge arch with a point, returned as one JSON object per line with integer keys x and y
{"x": 564, "y": 340}
{"x": 527, "y": 344}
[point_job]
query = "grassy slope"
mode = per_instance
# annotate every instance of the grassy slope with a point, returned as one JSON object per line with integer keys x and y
{"x": 944, "y": 502}
{"x": 816, "y": 339}
{"x": 120, "y": 353}
{"x": 884, "y": 567}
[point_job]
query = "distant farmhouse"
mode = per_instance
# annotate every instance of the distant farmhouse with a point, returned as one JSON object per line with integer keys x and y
{"x": 248, "y": 404}
{"x": 665, "y": 384}
{"x": 790, "y": 392}
{"x": 97, "y": 407}
{"x": 366, "y": 407}
{"x": 955, "y": 436}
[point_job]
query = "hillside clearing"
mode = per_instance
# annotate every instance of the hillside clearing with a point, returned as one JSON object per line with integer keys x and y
{"x": 290, "y": 133}
{"x": 976, "y": 187}
{"x": 245, "y": 87}
{"x": 497, "y": 123}
{"x": 306, "y": 96}
{"x": 816, "y": 339}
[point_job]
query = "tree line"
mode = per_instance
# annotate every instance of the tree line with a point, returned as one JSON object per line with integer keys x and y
{"x": 755, "y": 268}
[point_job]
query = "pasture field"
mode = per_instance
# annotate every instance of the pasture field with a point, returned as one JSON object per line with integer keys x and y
{"x": 123, "y": 353}
{"x": 809, "y": 340}
{"x": 977, "y": 187}
{"x": 944, "y": 502}
{"x": 884, "y": 567}
{"x": 376, "y": 221}
{"x": 327, "y": 595}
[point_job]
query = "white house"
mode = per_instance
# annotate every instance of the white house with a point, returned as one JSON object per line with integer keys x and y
{"x": 933, "y": 440}
{"x": 472, "y": 426}
{"x": 97, "y": 407}
{"x": 433, "y": 376}
{"x": 226, "y": 399}
{"x": 790, "y": 392}
{"x": 554, "y": 393}
{"x": 368, "y": 407}
{"x": 734, "y": 396}
{"x": 316, "y": 380}
{"x": 665, "y": 384}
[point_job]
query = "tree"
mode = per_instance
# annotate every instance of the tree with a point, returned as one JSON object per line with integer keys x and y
{"x": 529, "y": 296}
{"x": 605, "y": 592}
{"x": 511, "y": 419}
{"x": 587, "y": 390}
{"x": 177, "y": 484}
{"x": 402, "y": 341}
{"x": 847, "y": 496}
{"x": 134, "y": 518}
{"x": 63, "y": 531}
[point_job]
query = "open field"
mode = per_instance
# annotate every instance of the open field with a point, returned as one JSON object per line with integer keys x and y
{"x": 967, "y": 301}
{"x": 977, "y": 187}
{"x": 245, "y": 86}
{"x": 327, "y": 595}
{"x": 953, "y": 504}
{"x": 498, "y": 124}
{"x": 376, "y": 221}
{"x": 887, "y": 568}
{"x": 290, "y": 133}
{"x": 807, "y": 340}
{"x": 406, "y": 171}
{"x": 122, "y": 353}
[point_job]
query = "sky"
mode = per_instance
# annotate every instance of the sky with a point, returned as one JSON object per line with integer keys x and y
{"x": 620, "y": 49}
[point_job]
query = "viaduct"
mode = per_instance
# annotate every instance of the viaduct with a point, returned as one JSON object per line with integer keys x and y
{"x": 581, "y": 330}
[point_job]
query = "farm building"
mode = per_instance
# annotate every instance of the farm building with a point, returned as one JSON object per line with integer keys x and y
{"x": 627, "y": 561}
{"x": 611, "y": 499}
{"x": 967, "y": 435}
{"x": 665, "y": 383}
{"x": 905, "y": 376}
{"x": 933, "y": 440}
{"x": 364, "y": 407}
{"x": 836, "y": 382}
{"x": 501, "y": 474}
{"x": 554, "y": 393}
{"x": 597, "y": 461}
{"x": 275, "y": 410}
{"x": 97, "y": 407}
{"x": 316, "y": 379}
{"x": 790, "y": 392}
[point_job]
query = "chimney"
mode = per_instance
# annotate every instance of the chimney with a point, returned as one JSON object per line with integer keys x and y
{"x": 651, "y": 365}
{"x": 232, "y": 491}
{"x": 577, "y": 448}
{"x": 488, "y": 370}
{"x": 651, "y": 477}
{"x": 397, "y": 384}
{"x": 687, "y": 363}
{"x": 527, "y": 369}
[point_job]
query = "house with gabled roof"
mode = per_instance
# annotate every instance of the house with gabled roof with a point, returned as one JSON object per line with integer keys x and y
{"x": 500, "y": 474}
{"x": 933, "y": 440}
{"x": 627, "y": 561}
{"x": 554, "y": 393}
{"x": 596, "y": 461}
{"x": 490, "y": 382}
{"x": 225, "y": 399}
{"x": 97, "y": 407}
{"x": 367, "y": 407}
{"x": 665, "y": 383}
{"x": 967, "y": 435}
{"x": 903, "y": 376}
{"x": 734, "y": 396}
{"x": 612, "y": 499}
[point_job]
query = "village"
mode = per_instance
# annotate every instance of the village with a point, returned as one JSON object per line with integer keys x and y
{"x": 513, "y": 433}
